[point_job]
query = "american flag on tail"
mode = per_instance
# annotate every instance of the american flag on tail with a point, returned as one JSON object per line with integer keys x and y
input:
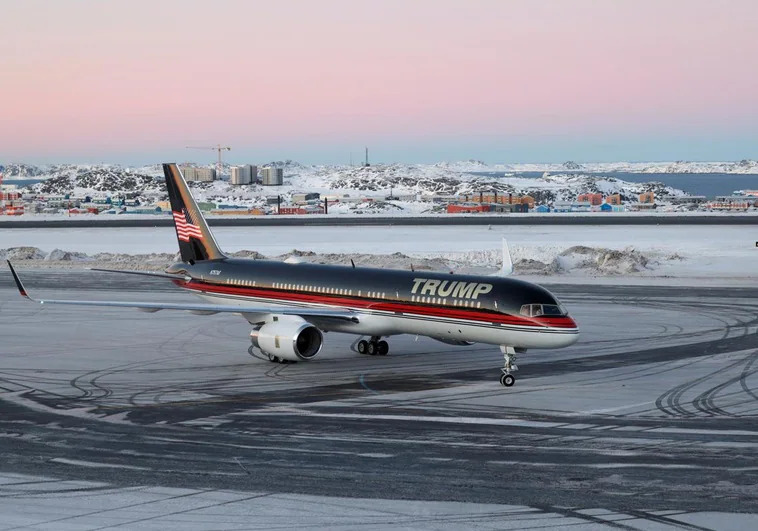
{"x": 185, "y": 226}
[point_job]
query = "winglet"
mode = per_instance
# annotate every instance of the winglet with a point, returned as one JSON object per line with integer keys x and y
{"x": 19, "y": 285}
{"x": 507, "y": 261}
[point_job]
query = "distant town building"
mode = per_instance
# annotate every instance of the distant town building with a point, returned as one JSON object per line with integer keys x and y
{"x": 272, "y": 176}
{"x": 253, "y": 172}
{"x": 305, "y": 197}
{"x": 647, "y": 198}
{"x": 204, "y": 175}
{"x": 734, "y": 202}
{"x": 688, "y": 200}
{"x": 569, "y": 206}
{"x": 593, "y": 199}
{"x": 614, "y": 199}
{"x": 246, "y": 174}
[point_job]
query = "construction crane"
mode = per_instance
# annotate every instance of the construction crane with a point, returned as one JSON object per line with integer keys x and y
{"x": 218, "y": 148}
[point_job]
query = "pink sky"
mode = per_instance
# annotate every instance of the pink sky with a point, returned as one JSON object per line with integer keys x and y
{"x": 125, "y": 80}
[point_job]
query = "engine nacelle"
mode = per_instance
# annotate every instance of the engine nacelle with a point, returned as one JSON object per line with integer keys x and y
{"x": 288, "y": 337}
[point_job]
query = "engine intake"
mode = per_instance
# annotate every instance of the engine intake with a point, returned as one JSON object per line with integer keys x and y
{"x": 289, "y": 338}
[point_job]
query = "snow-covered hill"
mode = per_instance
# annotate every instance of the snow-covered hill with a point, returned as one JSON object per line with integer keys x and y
{"x": 412, "y": 184}
{"x": 742, "y": 167}
{"x": 98, "y": 181}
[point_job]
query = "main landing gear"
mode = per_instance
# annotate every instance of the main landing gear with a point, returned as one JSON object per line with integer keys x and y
{"x": 271, "y": 357}
{"x": 509, "y": 355}
{"x": 373, "y": 347}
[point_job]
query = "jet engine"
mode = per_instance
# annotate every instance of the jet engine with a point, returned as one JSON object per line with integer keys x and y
{"x": 288, "y": 338}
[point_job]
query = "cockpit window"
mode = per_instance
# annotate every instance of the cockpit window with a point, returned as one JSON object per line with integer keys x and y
{"x": 543, "y": 310}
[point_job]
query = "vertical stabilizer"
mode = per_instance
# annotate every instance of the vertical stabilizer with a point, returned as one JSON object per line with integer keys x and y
{"x": 196, "y": 242}
{"x": 507, "y": 268}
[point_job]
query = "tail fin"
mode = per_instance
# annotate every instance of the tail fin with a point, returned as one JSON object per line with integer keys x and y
{"x": 196, "y": 242}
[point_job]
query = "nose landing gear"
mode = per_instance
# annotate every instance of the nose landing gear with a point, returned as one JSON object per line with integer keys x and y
{"x": 509, "y": 356}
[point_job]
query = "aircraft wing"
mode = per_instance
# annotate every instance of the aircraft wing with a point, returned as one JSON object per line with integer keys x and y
{"x": 202, "y": 309}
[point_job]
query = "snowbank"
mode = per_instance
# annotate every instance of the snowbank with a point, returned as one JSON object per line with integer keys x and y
{"x": 576, "y": 259}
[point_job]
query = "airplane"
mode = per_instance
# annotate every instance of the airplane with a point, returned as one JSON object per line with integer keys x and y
{"x": 290, "y": 305}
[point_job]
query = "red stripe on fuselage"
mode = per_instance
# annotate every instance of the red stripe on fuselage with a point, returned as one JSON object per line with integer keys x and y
{"x": 427, "y": 310}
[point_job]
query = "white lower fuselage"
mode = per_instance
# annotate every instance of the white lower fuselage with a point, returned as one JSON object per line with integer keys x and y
{"x": 388, "y": 323}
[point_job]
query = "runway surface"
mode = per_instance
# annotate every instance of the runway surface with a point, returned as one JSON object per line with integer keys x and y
{"x": 671, "y": 218}
{"x": 147, "y": 421}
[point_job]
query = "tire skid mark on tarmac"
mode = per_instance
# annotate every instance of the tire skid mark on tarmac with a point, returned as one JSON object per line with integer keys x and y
{"x": 98, "y": 392}
{"x": 703, "y": 402}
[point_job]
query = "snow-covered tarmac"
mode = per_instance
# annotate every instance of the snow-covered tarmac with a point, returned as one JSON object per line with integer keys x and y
{"x": 48, "y": 503}
{"x": 118, "y": 419}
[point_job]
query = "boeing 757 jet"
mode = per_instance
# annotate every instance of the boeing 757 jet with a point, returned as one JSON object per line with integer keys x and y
{"x": 289, "y": 306}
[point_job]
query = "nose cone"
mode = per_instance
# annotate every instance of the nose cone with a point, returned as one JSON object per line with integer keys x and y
{"x": 571, "y": 338}
{"x": 563, "y": 330}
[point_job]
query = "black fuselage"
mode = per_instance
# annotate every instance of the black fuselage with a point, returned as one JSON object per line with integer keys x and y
{"x": 477, "y": 293}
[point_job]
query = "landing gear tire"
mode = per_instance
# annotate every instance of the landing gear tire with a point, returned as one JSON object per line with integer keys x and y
{"x": 362, "y": 346}
{"x": 372, "y": 348}
{"x": 507, "y": 380}
{"x": 382, "y": 348}
{"x": 276, "y": 359}
{"x": 509, "y": 365}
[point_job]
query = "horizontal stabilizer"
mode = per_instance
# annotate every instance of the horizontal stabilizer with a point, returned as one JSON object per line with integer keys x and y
{"x": 144, "y": 273}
